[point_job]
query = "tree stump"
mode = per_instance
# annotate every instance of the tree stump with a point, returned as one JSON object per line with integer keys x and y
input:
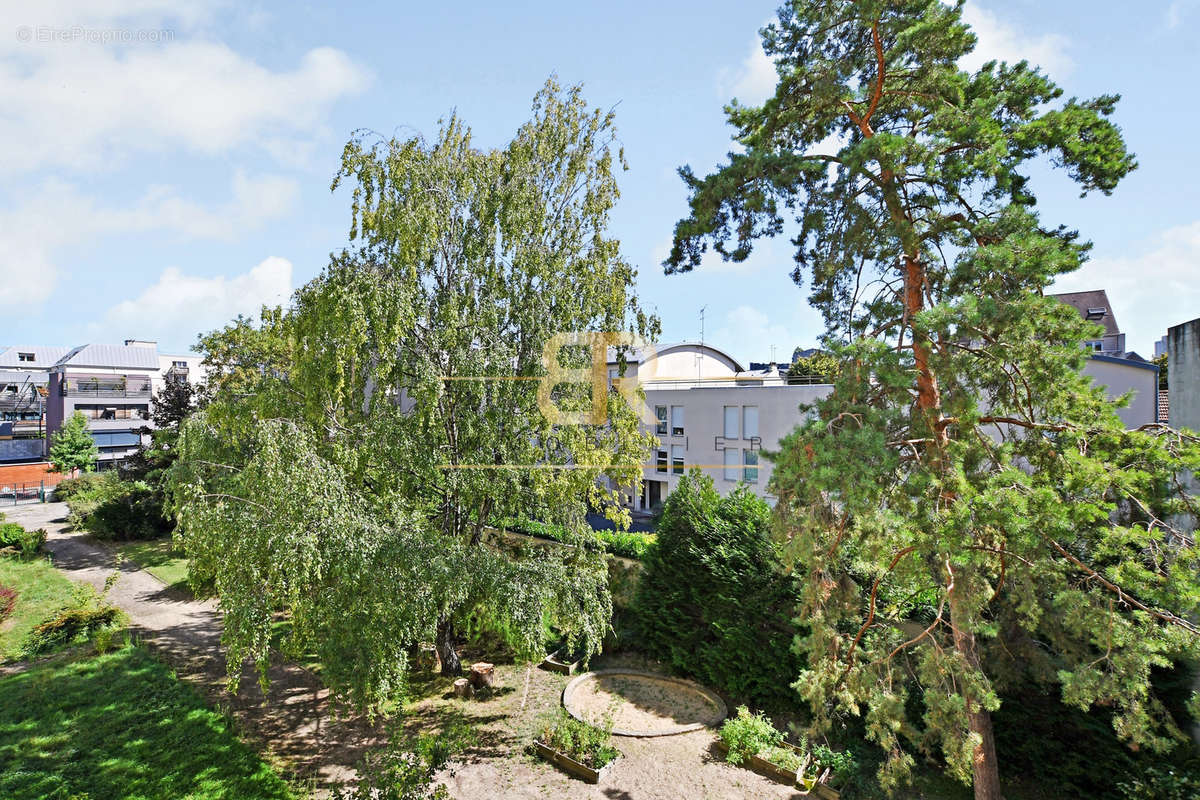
{"x": 483, "y": 674}
{"x": 462, "y": 688}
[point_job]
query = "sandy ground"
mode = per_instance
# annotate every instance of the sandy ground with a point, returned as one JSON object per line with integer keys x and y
{"x": 640, "y": 703}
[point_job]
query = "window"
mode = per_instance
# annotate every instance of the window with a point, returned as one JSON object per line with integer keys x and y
{"x": 179, "y": 364}
{"x": 731, "y": 422}
{"x": 613, "y": 374}
{"x": 1095, "y": 345}
{"x": 661, "y": 462}
{"x": 25, "y": 357}
{"x": 750, "y": 460}
{"x": 749, "y": 422}
{"x": 660, "y": 414}
{"x": 677, "y": 459}
{"x": 732, "y": 473}
{"x": 677, "y": 420}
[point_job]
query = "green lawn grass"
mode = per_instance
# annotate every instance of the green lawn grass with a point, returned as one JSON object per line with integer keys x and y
{"x": 158, "y": 557}
{"x": 120, "y": 725}
{"x": 41, "y": 590}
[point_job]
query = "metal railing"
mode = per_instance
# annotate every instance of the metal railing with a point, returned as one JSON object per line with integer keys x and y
{"x": 109, "y": 390}
{"x": 23, "y": 492}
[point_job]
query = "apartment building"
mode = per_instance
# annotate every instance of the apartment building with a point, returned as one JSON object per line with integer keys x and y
{"x": 711, "y": 413}
{"x": 111, "y": 385}
{"x": 1111, "y": 366}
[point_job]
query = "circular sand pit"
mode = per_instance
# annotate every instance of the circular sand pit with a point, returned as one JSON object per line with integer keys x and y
{"x": 642, "y": 703}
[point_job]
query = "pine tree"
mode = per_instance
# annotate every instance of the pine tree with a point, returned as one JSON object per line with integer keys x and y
{"x": 967, "y": 509}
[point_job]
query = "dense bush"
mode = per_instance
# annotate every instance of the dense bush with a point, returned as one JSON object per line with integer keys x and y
{"x": 111, "y": 508}
{"x": 16, "y": 538}
{"x": 713, "y": 601}
{"x": 748, "y": 734}
{"x": 67, "y": 625}
{"x": 628, "y": 544}
{"x": 70, "y": 487}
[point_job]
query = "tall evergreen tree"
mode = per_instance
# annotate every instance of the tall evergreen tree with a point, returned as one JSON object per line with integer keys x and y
{"x": 967, "y": 508}
{"x": 356, "y": 447}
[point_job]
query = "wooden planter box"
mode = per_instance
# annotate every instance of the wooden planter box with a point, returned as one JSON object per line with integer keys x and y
{"x": 811, "y": 784}
{"x": 571, "y": 766}
{"x": 558, "y": 662}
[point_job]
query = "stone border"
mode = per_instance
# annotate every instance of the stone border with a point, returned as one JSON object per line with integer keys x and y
{"x": 708, "y": 694}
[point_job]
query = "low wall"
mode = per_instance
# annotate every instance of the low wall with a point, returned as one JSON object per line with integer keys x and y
{"x": 29, "y": 474}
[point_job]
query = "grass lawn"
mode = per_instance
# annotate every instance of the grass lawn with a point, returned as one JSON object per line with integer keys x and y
{"x": 157, "y": 557}
{"x": 120, "y": 725}
{"x": 41, "y": 590}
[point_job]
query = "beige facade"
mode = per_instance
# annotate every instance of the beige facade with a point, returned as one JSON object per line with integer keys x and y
{"x": 712, "y": 414}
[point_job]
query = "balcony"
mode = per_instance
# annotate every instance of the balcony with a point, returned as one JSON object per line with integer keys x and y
{"x": 107, "y": 390}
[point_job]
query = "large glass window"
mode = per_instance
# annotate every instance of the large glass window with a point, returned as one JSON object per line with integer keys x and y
{"x": 750, "y": 460}
{"x": 660, "y": 464}
{"x": 749, "y": 422}
{"x": 677, "y": 420}
{"x": 660, "y": 415}
{"x": 677, "y": 459}
{"x": 732, "y": 468}
{"x": 731, "y": 422}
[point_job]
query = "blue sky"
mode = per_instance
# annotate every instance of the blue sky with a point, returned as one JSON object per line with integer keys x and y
{"x": 157, "y": 185}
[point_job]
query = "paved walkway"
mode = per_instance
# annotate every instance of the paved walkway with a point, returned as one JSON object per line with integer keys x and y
{"x": 294, "y": 724}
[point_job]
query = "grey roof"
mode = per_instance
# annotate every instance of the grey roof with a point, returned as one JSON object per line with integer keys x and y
{"x": 23, "y": 377}
{"x": 42, "y": 356}
{"x": 118, "y": 356}
{"x": 1083, "y": 302}
{"x": 636, "y": 355}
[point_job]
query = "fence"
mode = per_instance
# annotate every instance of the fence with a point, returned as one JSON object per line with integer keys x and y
{"x": 23, "y": 493}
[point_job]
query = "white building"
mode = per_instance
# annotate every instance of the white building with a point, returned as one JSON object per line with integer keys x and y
{"x": 713, "y": 414}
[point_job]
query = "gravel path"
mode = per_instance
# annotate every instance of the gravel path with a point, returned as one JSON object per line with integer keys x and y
{"x": 294, "y": 724}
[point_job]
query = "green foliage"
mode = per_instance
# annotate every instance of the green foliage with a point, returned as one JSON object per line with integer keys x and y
{"x": 1162, "y": 782}
{"x": 338, "y": 475}
{"x": 26, "y": 544}
{"x": 1161, "y": 363}
{"x": 120, "y": 725}
{"x": 87, "y": 614}
{"x": 713, "y": 600}
{"x": 590, "y": 745}
{"x": 748, "y": 735}
{"x": 818, "y": 368}
{"x": 72, "y": 487}
{"x": 404, "y": 769}
{"x": 72, "y": 446}
{"x": 969, "y": 513}
{"x": 115, "y": 509}
{"x": 628, "y": 544}
{"x": 41, "y": 592}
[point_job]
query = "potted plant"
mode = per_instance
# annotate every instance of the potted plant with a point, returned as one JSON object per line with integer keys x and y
{"x": 576, "y": 747}
{"x": 752, "y": 740}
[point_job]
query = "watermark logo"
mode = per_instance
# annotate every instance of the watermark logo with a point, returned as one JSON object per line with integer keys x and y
{"x": 596, "y": 374}
{"x": 49, "y": 34}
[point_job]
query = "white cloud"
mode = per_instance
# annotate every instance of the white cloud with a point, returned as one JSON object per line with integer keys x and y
{"x": 56, "y": 216}
{"x": 88, "y": 107}
{"x": 179, "y": 306}
{"x": 750, "y": 334}
{"x": 753, "y": 81}
{"x": 1177, "y": 11}
{"x": 1150, "y": 290}
{"x": 1001, "y": 41}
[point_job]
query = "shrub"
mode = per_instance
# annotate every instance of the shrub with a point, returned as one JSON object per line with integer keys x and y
{"x": 66, "y": 626}
{"x": 587, "y": 744}
{"x": 70, "y": 487}
{"x": 748, "y": 734}
{"x": 628, "y": 544}
{"x": 713, "y": 600}
{"x": 111, "y": 508}
{"x": 404, "y": 770}
{"x": 26, "y": 543}
{"x": 8, "y": 601}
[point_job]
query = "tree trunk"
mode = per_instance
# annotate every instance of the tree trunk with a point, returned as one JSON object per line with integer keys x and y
{"x": 445, "y": 648}
{"x": 984, "y": 769}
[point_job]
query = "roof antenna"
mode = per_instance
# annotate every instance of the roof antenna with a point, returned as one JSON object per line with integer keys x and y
{"x": 700, "y": 354}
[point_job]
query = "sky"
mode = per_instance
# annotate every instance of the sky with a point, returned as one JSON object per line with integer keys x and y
{"x": 163, "y": 170}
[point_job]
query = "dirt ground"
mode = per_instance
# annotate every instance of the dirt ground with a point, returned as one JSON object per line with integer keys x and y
{"x": 685, "y": 766}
